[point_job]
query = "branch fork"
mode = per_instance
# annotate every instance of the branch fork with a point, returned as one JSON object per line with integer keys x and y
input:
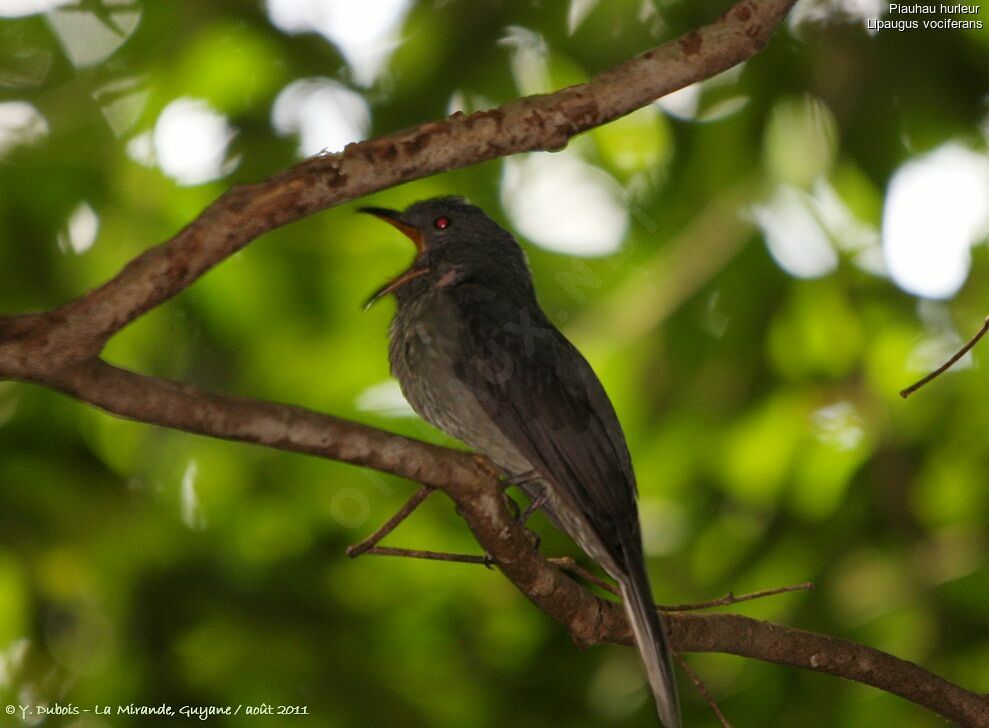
{"x": 60, "y": 348}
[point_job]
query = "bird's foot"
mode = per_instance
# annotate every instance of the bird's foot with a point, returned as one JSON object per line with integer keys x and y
{"x": 534, "y": 506}
{"x": 523, "y": 479}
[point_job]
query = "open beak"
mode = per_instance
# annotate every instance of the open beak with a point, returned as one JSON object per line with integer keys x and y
{"x": 394, "y": 219}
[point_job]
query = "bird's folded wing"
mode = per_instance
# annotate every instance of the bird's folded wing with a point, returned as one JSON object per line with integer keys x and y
{"x": 546, "y": 400}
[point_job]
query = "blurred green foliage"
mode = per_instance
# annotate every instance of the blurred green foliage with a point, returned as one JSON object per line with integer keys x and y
{"x": 146, "y": 566}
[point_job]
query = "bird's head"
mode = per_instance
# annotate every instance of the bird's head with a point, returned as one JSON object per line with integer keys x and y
{"x": 455, "y": 243}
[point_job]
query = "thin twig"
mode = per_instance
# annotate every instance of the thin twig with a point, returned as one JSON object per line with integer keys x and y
{"x": 702, "y": 689}
{"x": 355, "y": 550}
{"x": 729, "y": 598}
{"x": 948, "y": 364}
{"x": 566, "y": 563}
{"x": 428, "y": 555}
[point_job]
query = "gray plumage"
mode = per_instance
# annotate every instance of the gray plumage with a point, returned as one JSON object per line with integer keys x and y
{"x": 476, "y": 357}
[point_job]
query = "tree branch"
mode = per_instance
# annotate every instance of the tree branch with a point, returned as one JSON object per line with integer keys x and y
{"x": 748, "y": 637}
{"x": 983, "y": 330}
{"x": 479, "y": 499}
{"x": 79, "y": 329}
{"x": 60, "y": 348}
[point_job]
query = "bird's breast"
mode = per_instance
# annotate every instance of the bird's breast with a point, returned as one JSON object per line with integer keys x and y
{"x": 426, "y": 343}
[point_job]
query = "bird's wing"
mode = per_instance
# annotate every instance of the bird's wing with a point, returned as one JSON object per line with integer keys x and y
{"x": 546, "y": 400}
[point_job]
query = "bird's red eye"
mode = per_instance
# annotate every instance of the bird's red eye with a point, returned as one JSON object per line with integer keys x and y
{"x": 441, "y": 223}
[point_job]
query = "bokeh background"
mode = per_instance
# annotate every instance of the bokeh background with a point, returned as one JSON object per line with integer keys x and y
{"x": 754, "y": 265}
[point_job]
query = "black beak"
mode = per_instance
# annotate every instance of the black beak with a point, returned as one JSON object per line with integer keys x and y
{"x": 394, "y": 218}
{"x": 381, "y": 212}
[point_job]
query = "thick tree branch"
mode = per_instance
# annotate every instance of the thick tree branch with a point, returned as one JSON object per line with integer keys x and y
{"x": 479, "y": 499}
{"x": 60, "y": 348}
{"x": 748, "y": 637}
{"x": 79, "y": 329}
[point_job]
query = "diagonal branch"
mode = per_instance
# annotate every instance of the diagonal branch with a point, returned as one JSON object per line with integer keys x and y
{"x": 478, "y": 496}
{"x": 79, "y": 329}
{"x": 60, "y": 348}
{"x": 738, "y": 635}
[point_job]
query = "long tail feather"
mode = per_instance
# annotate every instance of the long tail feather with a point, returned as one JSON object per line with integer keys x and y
{"x": 650, "y": 638}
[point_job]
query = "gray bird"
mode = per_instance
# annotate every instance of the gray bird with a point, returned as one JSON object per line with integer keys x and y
{"x": 476, "y": 357}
